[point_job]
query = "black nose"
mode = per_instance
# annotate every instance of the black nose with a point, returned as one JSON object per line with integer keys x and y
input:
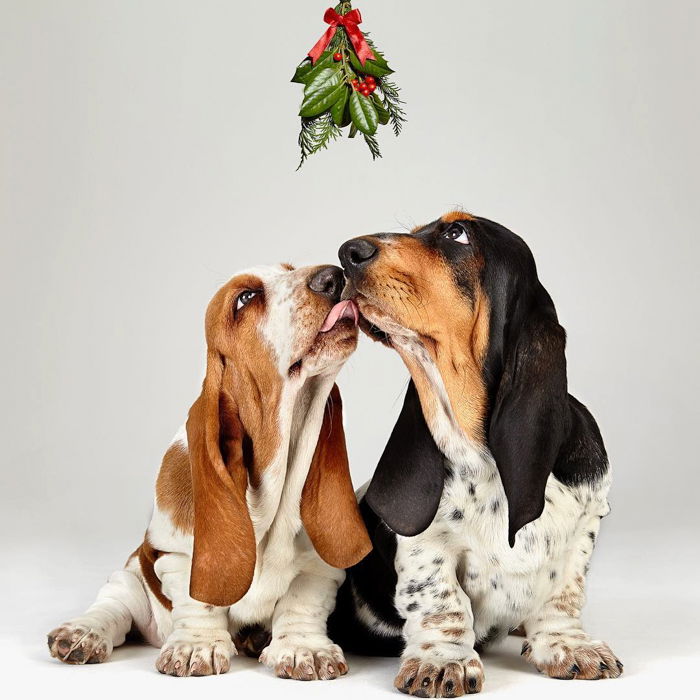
{"x": 355, "y": 254}
{"x": 328, "y": 282}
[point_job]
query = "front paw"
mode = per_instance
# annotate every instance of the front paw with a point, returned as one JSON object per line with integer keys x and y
{"x": 569, "y": 657}
{"x": 196, "y": 657}
{"x": 438, "y": 678}
{"x": 79, "y": 644}
{"x": 302, "y": 660}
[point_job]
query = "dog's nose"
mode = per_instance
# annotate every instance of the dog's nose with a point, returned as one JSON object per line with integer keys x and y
{"x": 328, "y": 282}
{"x": 356, "y": 254}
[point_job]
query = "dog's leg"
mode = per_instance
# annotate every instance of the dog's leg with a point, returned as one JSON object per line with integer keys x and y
{"x": 199, "y": 643}
{"x": 89, "y": 639}
{"x": 439, "y": 659}
{"x": 556, "y": 643}
{"x": 300, "y": 647}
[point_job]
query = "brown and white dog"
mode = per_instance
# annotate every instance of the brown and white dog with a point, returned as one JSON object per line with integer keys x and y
{"x": 249, "y": 494}
{"x": 486, "y": 503}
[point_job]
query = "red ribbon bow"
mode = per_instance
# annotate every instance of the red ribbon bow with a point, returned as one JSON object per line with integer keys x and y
{"x": 349, "y": 22}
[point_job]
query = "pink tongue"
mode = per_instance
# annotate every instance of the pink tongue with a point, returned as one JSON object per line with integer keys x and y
{"x": 344, "y": 309}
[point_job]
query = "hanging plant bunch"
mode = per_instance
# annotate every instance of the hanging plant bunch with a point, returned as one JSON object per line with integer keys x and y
{"x": 345, "y": 79}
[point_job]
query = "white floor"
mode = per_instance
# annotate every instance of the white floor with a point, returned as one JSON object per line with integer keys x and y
{"x": 643, "y": 599}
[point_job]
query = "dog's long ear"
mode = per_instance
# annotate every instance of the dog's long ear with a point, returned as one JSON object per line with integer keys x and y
{"x": 223, "y": 560}
{"x": 407, "y": 485}
{"x": 530, "y": 416}
{"x": 329, "y": 508}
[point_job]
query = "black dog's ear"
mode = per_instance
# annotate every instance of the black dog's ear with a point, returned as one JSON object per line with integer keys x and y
{"x": 530, "y": 418}
{"x": 407, "y": 485}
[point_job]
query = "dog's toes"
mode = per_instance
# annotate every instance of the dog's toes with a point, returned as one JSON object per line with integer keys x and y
{"x": 290, "y": 659}
{"x": 436, "y": 678}
{"x": 194, "y": 658}
{"x": 78, "y": 644}
{"x": 572, "y": 657}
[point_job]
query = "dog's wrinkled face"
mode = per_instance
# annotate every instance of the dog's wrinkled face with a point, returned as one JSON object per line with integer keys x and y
{"x": 426, "y": 282}
{"x": 288, "y": 321}
{"x": 270, "y": 329}
{"x": 422, "y": 293}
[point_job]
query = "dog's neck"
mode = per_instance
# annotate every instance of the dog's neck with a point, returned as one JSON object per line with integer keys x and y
{"x": 450, "y": 418}
{"x": 277, "y": 497}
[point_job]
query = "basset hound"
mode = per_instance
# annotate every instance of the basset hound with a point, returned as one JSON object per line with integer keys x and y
{"x": 486, "y": 503}
{"x": 255, "y": 515}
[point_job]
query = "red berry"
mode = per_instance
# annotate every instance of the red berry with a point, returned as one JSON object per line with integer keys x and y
{"x": 366, "y": 92}
{"x": 355, "y": 83}
{"x": 363, "y": 85}
{"x": 337, "y": 56}
{"x": 370, "y": 80}
{"x": 371, "y": 88}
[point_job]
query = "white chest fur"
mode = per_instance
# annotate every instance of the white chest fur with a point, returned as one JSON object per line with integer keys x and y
{"x": 504, "y": 585}
{"x": 283, "y": 548}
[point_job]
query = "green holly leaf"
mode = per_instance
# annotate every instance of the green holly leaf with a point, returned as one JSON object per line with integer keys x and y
{"x": 382, "y": 112}
{"x": 318, "y": 102}
{"x": 338, "y": 108}
{"x": 379, "y": 58}
{"x": 326, "y": 77}
{"x": 370, "y": 67}
{"x": 347, "y": 119}
{"x": 307, "y": 71}
{"x": 363, "y": 113}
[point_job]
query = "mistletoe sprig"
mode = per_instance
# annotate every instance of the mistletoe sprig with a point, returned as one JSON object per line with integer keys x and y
{"x": 345, "y": 79}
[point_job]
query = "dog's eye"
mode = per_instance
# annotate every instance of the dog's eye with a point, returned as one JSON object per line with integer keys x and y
{"x": 244, "y": 297}
{"x": 457, "y": 233}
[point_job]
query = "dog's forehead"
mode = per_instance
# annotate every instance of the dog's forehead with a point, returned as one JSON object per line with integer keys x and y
{"x": 274, "y": 280}
{"x": 267, "y": 274}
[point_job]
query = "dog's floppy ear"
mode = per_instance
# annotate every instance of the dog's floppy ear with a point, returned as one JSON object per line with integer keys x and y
{"x": 329, "y": 508}
{"x": 530, "y": 416}
{"x": 407, "y": 485}
{"x": 223, "y": 560}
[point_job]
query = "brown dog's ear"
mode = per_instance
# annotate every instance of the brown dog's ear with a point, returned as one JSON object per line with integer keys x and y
{"x": 329, "y": 508}
{"x": 223, "y": 559}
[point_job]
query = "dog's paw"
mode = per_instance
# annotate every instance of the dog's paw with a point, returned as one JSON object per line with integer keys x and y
{"x": 302, "y": 661}
{"x": 195, "y": 657}
{"x": 438, "y": 678}
{"x": 78, "y": 644}
{"x": 571, "y": 657}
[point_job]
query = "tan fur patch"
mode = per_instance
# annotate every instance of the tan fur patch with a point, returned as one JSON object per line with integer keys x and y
{"x": 417, "y": 288}
{"x": 174, "y": 487}
{"x": 440, "y": 618}
{"x": 456, "y": 215}
{"x": 571, "y": 599}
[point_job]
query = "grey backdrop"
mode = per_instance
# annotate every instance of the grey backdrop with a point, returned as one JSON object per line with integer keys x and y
{"x": 147, "y": 152}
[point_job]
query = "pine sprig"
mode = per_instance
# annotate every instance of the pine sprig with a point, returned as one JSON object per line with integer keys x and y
{"x": 315, "y": 135}
{"x": 373, "y": 146}
{"x": 393, "y": 103}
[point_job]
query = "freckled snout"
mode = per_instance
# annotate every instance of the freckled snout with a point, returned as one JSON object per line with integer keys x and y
{"x": 356, "y": 254}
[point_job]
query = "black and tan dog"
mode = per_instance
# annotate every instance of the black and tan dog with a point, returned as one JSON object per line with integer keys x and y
{"x": 486, "y": 503}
